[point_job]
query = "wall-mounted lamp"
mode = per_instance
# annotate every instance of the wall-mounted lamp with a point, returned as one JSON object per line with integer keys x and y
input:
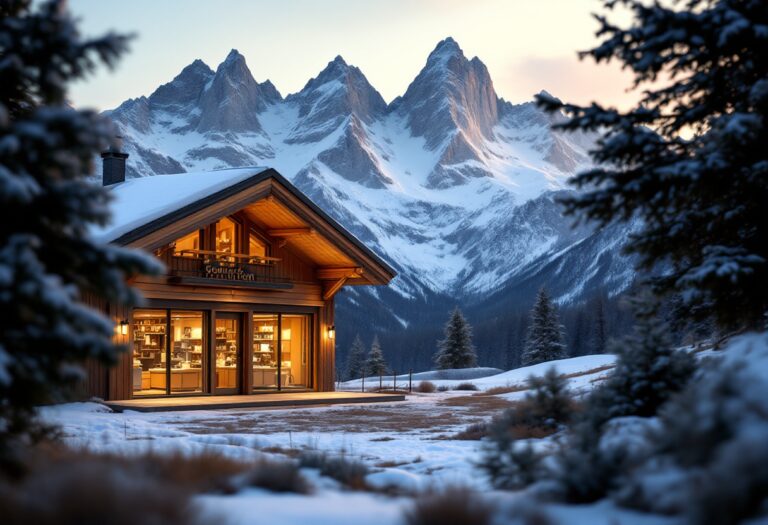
{"x": 124, "y": 327}
{"x": 331, "y": 332}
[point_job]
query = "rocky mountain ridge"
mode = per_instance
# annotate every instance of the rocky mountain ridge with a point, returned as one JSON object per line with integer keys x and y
{"x": 452, "y": 184}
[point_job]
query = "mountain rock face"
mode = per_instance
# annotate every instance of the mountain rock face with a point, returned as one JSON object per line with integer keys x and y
{"x": 454, "y": 186}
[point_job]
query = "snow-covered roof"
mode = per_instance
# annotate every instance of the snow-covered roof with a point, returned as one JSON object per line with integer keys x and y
{"x": 139, "y": 201}
{"x": 144, "y": 204}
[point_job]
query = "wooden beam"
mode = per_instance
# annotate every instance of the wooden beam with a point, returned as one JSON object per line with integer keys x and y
{"x": 339, "y": 273}
{"x": 290, "y": 232}
{"x": 331, "y": 290}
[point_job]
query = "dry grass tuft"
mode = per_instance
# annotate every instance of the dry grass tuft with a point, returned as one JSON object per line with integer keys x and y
{"x": 451, "y": 505}
{"x": 349, "y": 472}
{"x": 466, "y": 386}
{"x": 473, "y": 432}
{"x": 278, "y": 476}
{"x": 426, "y": 387}
{"x": 495, "y": 391}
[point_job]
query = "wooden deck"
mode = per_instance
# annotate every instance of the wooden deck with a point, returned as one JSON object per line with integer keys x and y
{"x": 297, "y": 399}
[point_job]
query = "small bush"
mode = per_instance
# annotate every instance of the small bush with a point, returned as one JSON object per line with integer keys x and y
{"x": 451, "y": 505}
{"x": 443, "y": 388}
{"x": 512, "y": 464}
{"x": 466, "y": 386}
{"x": 349, "y": 472}
{"x": 545, "y": 409}
{"x": 426, "y": 387}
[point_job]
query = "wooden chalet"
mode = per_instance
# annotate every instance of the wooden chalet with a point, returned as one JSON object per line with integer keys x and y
{"x": 247, "y": 303}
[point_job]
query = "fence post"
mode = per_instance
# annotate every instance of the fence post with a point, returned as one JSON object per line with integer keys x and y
{"x": 410, "y": 381}
{"x": 394, "y": 380}
{"x": 363, "y": 385}
{"x": 381, "y": 380}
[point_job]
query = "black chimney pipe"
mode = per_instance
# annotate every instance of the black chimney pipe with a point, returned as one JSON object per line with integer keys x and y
{"x": 113, "y": 164}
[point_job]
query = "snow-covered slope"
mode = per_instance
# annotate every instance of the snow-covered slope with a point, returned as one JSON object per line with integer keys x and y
{"x": 449, "y": 182}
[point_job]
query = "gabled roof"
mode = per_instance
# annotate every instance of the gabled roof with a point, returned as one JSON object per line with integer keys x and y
{"x": 143, "y": 206}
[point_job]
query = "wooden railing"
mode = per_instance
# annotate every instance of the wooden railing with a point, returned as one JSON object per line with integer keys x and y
{"x": 225, "y": 266}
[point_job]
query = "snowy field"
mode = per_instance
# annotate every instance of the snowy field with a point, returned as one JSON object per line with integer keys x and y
{"x": 409, "y": 445}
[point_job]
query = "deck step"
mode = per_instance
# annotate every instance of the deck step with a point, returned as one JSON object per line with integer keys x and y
{"x": 168, "y": 404}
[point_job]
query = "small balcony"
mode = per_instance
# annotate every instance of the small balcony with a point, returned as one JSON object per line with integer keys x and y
{"x": 210, "y": 268}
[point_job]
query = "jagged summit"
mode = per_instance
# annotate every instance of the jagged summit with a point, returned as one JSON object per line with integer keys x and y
{"x": 338, "y": 92}
{"x": 445, "y": 50}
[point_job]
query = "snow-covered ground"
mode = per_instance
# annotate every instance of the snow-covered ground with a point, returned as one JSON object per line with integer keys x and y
{"x": 410, "y": 445}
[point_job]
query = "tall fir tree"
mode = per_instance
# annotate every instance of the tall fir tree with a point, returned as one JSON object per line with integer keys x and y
{"x": 355, "y": 359}
{"x": 456, "y": 349}
{"x": 544, "y": 341}
{"x": 48, "y": 260}
{"x": 699, "y": 200}
{"x": 375, "y": 364}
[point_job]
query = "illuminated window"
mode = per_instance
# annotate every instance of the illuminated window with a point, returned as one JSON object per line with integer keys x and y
{"x": 256, "y": 247}
{"x": 188, "y": 245}
{"x": 226, "y": 236}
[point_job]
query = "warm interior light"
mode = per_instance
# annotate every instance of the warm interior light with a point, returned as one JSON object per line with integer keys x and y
{"x": 286, "y": 334}
{"x": 331, "y": 332}
{"x": 124, "y": 327}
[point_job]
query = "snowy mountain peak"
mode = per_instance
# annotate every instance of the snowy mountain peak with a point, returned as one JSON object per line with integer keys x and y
{"x": 444, "y": 51}
{"x": 326, "y": 101}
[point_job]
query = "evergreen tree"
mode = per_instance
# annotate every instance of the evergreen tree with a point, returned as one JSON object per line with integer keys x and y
{"x": 701, "y": 200}
{"x": 375, "y": 364}
{"x": 48, "y": 260}
{"x": 355, "y": 359}
{"x": 545, "y": 334}
{"x": 456, "y": 350}
{"x": 649, "y": 370}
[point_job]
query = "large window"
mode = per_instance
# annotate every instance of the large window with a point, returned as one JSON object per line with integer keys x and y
{"x": 168, "y": 352}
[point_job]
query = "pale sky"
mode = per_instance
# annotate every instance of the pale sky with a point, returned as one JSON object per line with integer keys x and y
{"x": 527, "y": 45}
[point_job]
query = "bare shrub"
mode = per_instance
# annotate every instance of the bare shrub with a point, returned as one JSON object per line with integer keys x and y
{"x": 443, "y": 388}
{"x": 466, "y": 386}
{"x": 451, "y": 505}
{"x": 426, "y": 387}
{"x": 93, "y": 491}
{"x": 349, "y": 472}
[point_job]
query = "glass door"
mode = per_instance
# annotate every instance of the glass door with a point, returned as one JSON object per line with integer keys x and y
{"x": 266, "y": 328}
{"x": 295, "y": 351}
{"x": 186, "y": 352}
{"x": 227, "y": 353}
{"x": 150, "y": 352}
{"x": 282, "y": 352}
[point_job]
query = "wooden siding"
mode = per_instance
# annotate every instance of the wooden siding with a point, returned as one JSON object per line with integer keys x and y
{"x": 102, "y": 381}
{"x": 325, "y": 364}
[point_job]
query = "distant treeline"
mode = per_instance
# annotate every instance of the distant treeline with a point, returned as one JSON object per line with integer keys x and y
{"x": 499, "y": 336}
